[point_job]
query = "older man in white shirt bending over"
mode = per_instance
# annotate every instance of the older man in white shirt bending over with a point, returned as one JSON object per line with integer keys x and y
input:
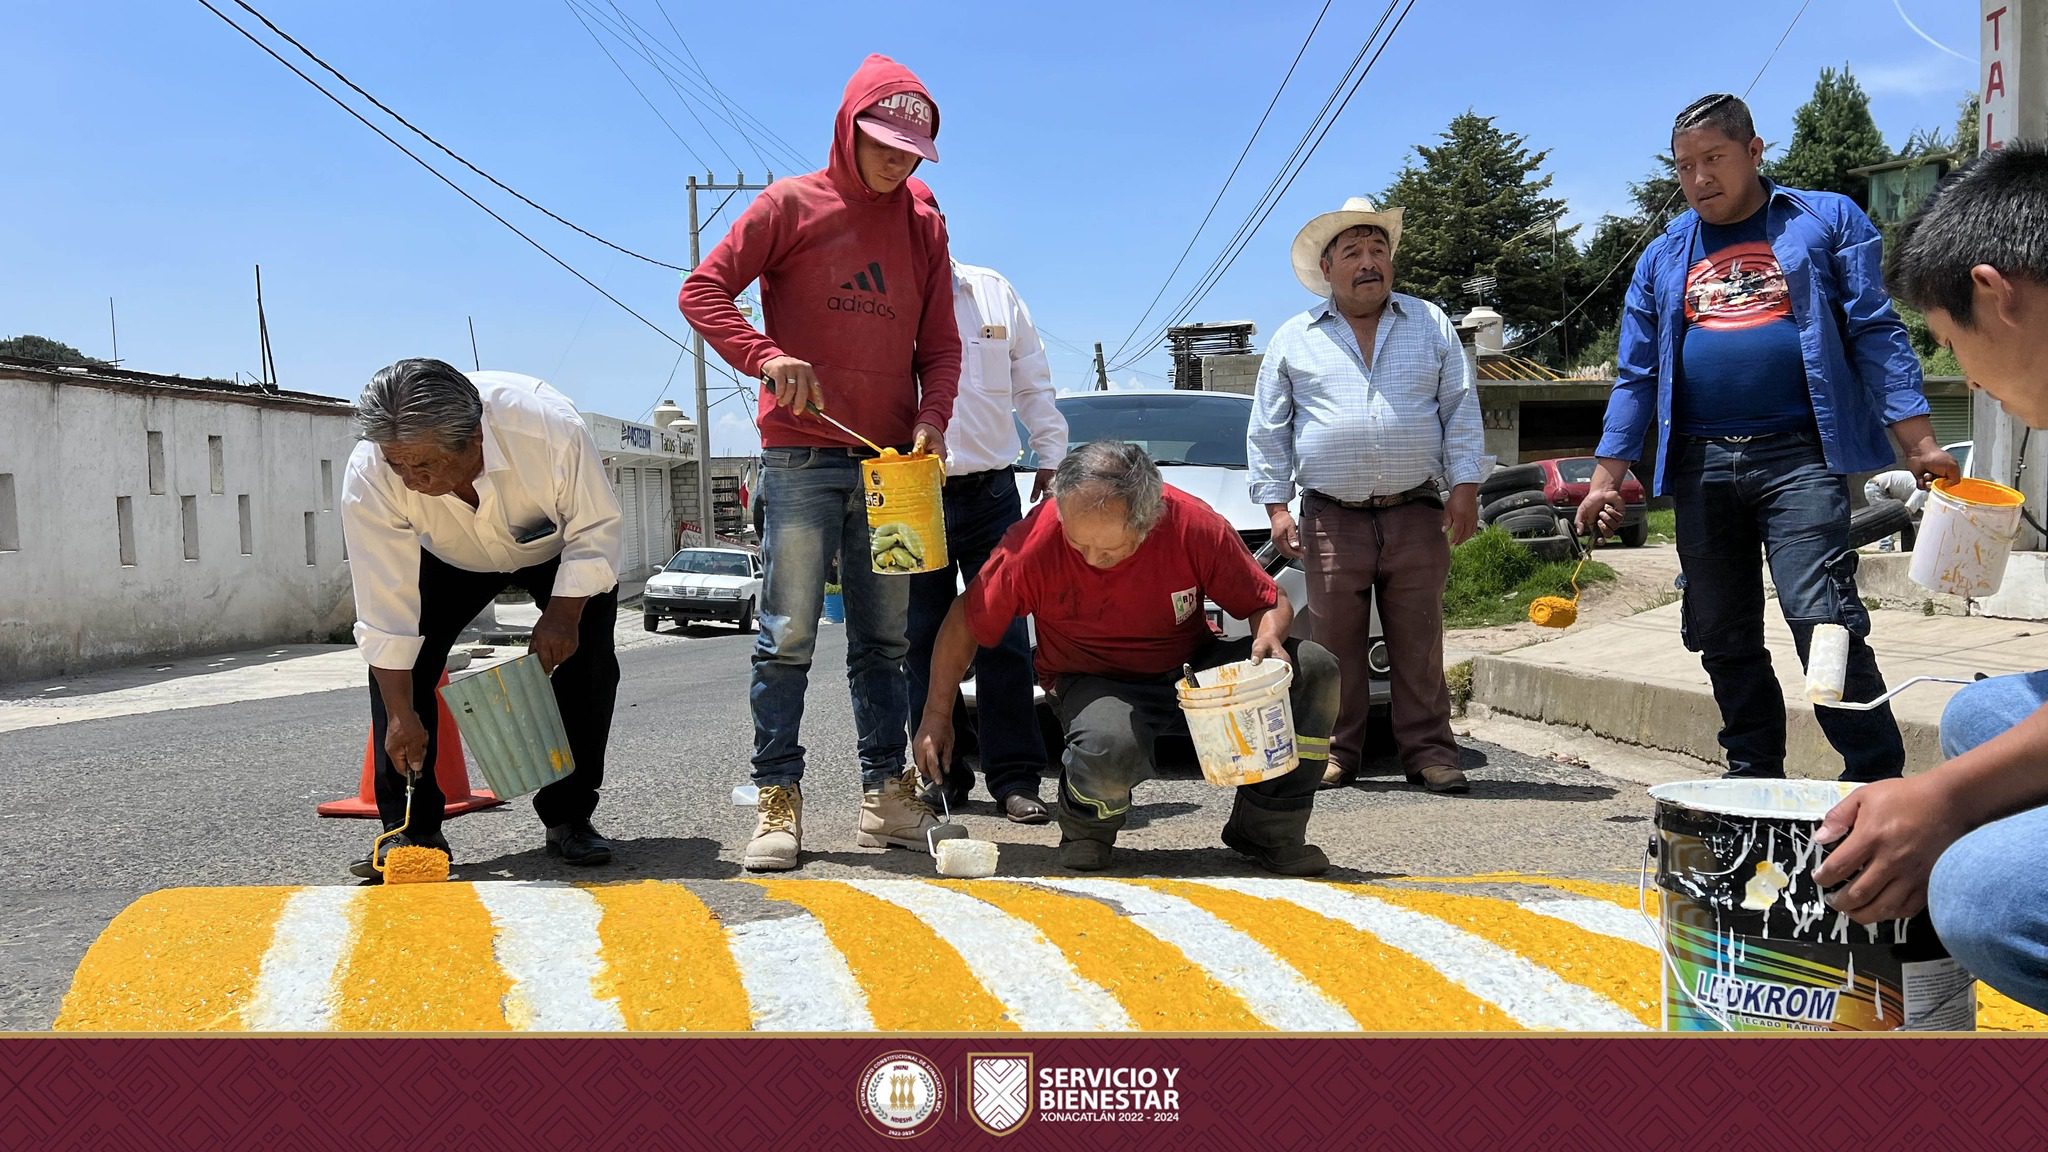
{"x": 1002, "y": 370}
{"x": 463, "y": 486}
{"x": 1366, "y": 403}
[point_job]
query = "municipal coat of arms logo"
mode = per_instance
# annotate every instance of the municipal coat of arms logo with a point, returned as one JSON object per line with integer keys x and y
{"x": 999, "y": 1090}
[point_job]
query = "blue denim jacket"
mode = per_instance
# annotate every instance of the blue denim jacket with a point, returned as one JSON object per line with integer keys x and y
{"x": 1860, "y": 369}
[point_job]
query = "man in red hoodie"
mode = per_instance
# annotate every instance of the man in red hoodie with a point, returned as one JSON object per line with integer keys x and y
{"x": 857, "y": 294}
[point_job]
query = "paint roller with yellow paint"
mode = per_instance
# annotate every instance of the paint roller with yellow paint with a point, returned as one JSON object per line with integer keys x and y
{"x": 408, "y": 863}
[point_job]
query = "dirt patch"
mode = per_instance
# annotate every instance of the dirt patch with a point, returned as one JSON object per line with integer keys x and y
{"x": 1643, "y": 580}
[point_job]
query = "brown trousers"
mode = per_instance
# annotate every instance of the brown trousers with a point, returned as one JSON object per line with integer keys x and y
{"x": 1401, "y": 555}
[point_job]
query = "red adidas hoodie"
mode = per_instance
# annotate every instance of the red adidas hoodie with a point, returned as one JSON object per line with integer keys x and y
{"x": 859, "y": 285}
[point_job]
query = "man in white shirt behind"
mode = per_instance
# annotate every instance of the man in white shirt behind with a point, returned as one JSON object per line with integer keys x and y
{"x": 1002, "y": 370}
{"x": 465, "y": 485}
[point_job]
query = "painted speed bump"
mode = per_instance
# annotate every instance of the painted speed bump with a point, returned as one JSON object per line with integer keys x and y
{"x": 1492, "y": 953}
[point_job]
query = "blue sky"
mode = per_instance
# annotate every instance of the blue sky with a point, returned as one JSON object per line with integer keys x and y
{"x": 156, "y": 155}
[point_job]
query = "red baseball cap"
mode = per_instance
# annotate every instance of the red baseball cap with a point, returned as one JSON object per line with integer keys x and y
{"x": 905, "y": 121}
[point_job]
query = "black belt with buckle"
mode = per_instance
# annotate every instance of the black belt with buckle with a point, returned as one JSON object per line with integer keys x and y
{"x": 1421, "y": 493}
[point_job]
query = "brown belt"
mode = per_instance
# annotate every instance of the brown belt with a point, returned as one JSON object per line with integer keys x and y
{"x": 1420, "y": 493}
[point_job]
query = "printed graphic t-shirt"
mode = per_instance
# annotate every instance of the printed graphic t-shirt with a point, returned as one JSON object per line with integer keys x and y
{"x": 1740, "y": 369}
{"x": 1142, "y": 618}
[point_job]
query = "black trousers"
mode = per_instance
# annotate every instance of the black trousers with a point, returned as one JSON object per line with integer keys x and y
{"x": 586, "y": 686}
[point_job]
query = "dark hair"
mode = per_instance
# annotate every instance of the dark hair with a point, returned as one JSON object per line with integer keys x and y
{"x": 420, "y": 399}
{"x": 1720, "y": 110}
{"x": 1993, "y": 211}
{"x": 1368, "y": 229}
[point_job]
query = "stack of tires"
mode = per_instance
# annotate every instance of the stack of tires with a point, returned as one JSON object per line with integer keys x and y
{"x": 1513, "y": 500}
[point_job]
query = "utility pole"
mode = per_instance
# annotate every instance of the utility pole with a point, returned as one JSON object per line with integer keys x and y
{"x": 473, "y": 357}
{"x": 2013, "y": 90}
{"x": 739, "y": 184}
{"x": 114, "y": 329}
{"x": 1101, "y": 373}
{"x": 263, "y": 335}
{"x": 1564, "y": 310}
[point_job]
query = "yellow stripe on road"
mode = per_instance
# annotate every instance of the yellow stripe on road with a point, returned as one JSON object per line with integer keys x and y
{"x": 915, "y": 982}
{"x": 1997, "y": 1012}
{"x": 1624, "y": 895}
{"x": 1158, "y": 986}
{"x": 1620, "y": 971}
{"x": 184, "y": 960}
{"x": 1384, "y": 989}
{"x": 665, "y": 960}
{"x": 423, "y": 959}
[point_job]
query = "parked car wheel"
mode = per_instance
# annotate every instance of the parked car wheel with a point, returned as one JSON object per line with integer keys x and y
{"x": 650, "y": 621}
{"x": 1883, "y": 518}
{"x": 1635, "y": 535}
{"x": 1528, "y": 498}
{"x": 746, "y": 620}
{"x": 1529, "y": 522}
{"x": 1512, "y": 478}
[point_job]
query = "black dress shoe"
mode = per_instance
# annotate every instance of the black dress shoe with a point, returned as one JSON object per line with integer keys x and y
{"x": 579, "y": 844}
{"x": 955, "y": 797}
{"x": 364, "y": 870}
{"x": 1024, "y": 808}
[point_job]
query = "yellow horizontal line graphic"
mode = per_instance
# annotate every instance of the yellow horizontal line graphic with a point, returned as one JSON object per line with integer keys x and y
{"x": 1622, "y": 895}
{"x": 665, "y": 960}
{"x": 1484, "y": 953}
{"x": 914, "y": 981}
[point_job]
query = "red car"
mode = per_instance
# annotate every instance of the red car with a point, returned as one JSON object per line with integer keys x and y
{"x": 1540, "y": 499}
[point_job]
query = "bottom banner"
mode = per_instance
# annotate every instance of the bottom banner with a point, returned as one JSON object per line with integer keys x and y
{"x": 1021, "y": 1092}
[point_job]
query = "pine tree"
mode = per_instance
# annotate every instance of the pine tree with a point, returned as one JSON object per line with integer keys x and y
{"x": 1831, "y": 133}
{"x": 1475, "y": 206}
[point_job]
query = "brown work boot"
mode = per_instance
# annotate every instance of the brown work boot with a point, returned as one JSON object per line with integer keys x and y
{"x": 778, "y": 830}
{"x": 893, "y": 815}
{"x": 1441, "y": 778}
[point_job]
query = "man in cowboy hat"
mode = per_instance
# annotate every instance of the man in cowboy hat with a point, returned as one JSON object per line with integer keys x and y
{"x": 1366, "y": 403}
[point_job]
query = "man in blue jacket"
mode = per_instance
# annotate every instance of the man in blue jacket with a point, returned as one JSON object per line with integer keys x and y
{"x": 1758, "y": 338}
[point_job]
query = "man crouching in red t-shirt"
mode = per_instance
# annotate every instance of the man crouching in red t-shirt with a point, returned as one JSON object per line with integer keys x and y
{"x": 1115, "y": 569}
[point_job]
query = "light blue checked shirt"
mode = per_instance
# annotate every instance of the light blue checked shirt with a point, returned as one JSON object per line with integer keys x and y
{"x": 1324, "y": 421}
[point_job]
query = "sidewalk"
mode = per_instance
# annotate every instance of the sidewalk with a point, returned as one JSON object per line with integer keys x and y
{"x": 1633, "y": 680}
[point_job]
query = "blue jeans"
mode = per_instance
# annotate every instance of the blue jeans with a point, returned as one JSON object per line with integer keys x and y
{"x": 1774, "y": 493}
{"x": 814, "y": 511}
{"x": 1988, "y": 895}
{"x": 979, "y": 508}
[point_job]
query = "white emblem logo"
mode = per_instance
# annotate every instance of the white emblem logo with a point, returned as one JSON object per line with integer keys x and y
{"x": 999, "y": 1090}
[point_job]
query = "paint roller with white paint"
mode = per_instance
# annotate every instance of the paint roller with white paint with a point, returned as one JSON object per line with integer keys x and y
{"x": 1827, "y": 672}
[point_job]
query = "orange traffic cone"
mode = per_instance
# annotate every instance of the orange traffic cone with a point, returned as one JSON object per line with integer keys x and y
{"x": 451, "y": 770}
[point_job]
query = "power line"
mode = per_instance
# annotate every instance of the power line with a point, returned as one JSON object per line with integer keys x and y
{"x": 442, "y": 177}
{"x": 1305, "y": 151}
{"x": 449, "y": 152}
{"x": 592, "y": 33}
{"x": 715, "y": 142}
{"x": 1650, "y": 221}
{"x": 1249, "y": 141}
{"x": 715, "y": 90}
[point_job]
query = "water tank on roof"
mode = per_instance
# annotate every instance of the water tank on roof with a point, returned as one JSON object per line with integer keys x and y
{"x": 1488, "y": 329}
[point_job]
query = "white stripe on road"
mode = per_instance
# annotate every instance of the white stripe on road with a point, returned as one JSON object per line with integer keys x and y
{"x": 1268, "y": 986}
{"x": 1597, "y": 916}
{"x": 796, "y": 981}
{"x": 1534, "y": 996}
{"x": 1011, "y": 958}
{"x": 295, "y": 990}
{"x": 547, "y": 943}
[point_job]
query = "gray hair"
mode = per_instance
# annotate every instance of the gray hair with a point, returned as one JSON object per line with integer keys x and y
{"x": 1106, "y": 471}
{"x": 420, "y": 399}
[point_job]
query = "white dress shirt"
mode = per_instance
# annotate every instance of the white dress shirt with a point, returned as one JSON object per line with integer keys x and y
{"x": 1325, "y": 421}
{"x": 543, "y": 493}
{"x": 1002, "y": 368}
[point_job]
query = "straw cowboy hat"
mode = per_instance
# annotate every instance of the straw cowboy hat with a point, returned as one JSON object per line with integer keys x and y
{"x": 1317, "y": 234}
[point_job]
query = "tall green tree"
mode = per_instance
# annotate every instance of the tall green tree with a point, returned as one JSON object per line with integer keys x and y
{"x": 1477, "y": 205}
{"x": 1831, "y": 133}
{"x": 1967, "y": 125}
{"x": 45, "y": 349}
{"x": 1610, "y": 259}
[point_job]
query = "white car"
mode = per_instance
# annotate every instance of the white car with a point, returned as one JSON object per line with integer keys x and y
{"x": 1198, "y": 441}
{"x": 704, "y": 584}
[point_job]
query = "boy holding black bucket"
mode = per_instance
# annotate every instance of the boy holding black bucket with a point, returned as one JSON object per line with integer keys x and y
{"x": 1965, "y": 839}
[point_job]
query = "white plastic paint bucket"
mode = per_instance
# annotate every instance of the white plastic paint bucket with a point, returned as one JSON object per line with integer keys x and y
{"x": 1966, "y": 533}
{"x": 1749, "y": 942}
{"x": 1241, "y": 721}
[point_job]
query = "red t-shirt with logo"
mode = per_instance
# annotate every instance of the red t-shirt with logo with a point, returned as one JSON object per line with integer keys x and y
{"x": 1140, "y": 619}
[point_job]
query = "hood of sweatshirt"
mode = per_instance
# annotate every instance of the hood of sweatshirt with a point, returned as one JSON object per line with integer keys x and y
{"x": 877, "y": 78}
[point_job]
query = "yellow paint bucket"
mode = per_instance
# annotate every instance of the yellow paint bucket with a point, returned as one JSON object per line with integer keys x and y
{"x": 1966, "y": 533}
{"x": 1242, "y": 722}
{"x": 906, "y": 512}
